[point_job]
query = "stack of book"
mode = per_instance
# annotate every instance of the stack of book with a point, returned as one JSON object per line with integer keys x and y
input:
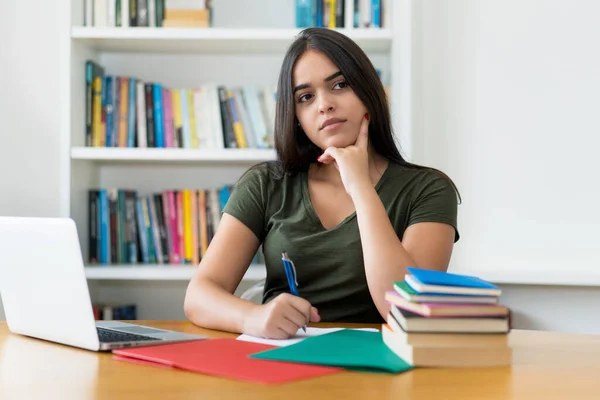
{"x": 439, "y": 319}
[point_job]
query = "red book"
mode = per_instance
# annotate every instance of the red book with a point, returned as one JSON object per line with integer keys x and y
{"x": 225, "y": 358}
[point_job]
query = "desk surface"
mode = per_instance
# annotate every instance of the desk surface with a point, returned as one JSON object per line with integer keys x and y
{"x": 546, "y": 366}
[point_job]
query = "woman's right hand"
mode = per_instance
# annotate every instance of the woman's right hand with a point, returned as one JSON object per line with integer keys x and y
{"x": 280, "y": 318}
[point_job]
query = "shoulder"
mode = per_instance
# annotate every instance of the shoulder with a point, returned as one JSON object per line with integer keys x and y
{"x": 260, "y": 175}
{"x": 418, "y": 181}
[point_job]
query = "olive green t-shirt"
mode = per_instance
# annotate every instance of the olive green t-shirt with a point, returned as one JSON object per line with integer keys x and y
{"x": 329, "y": 262}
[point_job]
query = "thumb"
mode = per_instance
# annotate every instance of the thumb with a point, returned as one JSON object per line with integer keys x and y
{"x": 314, "y": 315}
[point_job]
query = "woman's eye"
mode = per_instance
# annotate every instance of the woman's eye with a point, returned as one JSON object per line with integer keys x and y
{"x": 341, "y": 85}
{"x": 304, "y": 97}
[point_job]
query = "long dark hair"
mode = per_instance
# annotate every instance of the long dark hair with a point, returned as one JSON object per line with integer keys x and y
{"x": 295, "y": 151}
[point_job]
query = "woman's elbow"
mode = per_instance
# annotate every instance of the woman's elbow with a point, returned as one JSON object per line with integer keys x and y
{"x": 190, "y": 304}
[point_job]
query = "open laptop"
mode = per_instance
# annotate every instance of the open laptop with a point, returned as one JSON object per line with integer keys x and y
{"x": 45, "y": 292}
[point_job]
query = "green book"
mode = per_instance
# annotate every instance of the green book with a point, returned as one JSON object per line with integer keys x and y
{"x": 410, "y": 294}
{"x": 347, "y": 348}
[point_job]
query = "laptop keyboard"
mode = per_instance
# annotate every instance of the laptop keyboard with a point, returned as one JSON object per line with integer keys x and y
{"x": 108, "y": 336}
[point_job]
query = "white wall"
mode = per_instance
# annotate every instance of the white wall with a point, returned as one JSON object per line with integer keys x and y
{"x": 506, "y": 103}
{"x": 29, "y": 164}
{"x": 29, "y": 111}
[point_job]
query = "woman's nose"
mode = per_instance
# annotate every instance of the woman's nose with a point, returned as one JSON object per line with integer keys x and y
{"x": 325, "y": 104}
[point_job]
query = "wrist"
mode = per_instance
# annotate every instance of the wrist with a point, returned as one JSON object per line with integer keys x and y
{"x": 246, "y": 318}
{"x": 361, "y": 191}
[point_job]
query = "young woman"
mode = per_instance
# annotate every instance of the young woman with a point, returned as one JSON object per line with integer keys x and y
{"x": 340, "y": 200}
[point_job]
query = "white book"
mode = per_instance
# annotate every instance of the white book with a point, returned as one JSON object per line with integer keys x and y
{"x": 252, "y": 102}
{"x": 386, "y": 19}
{"x": 186, "y": 137}
{"x": 112, "y": 13}
{"x": 152, "y": 13}
{"x": 185, "y": 4}
{"x": 124, "y": 13}
{"x": 201, "y": 131}
{"x": 268, "y": 102}
{"x": 243, "y": 116}
{"x": 215, "y": 115}
{"x": 206, "y": 118}
{"x": 88, "y": 14}
{"x": 365, "y": 14}
{"x": 100, "y": 13}
{"x": 141, "y": 115}
{"x": 349, "y": 14}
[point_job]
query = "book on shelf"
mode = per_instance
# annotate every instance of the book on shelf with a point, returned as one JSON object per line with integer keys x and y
{"x": 342, "y": 13}
{"x": 170, "y": 227}
{"x": 447, "y": 332}
{"x": 148, "y": 13}
{"x": 123, "y": 111}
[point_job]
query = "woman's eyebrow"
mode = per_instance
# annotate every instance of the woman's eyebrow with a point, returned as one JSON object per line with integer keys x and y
{"x": 327, "y": 79}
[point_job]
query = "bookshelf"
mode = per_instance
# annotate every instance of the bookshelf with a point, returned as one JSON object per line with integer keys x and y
{"x": 212, "y": 40}
{"x": 107, "y": 155}
{"x": 244, "y": 46}
{"x": 159, "y": 272}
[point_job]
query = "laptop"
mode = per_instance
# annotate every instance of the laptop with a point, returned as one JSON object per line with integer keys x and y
{"x": 45, "y": 292}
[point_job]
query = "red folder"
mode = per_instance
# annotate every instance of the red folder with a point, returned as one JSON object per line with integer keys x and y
{"x": 225, "y": 358}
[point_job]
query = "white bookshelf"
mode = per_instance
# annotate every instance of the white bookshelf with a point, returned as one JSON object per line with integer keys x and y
{"x": 158, "y": 272}
{"x": 245, "y": 46}
{"x": 107, "y": 155}
{"x": 211, "y": 40}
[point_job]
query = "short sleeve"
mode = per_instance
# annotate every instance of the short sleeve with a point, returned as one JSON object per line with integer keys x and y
{"x": 436, "y": 201}
{"x": 248, "y": 200}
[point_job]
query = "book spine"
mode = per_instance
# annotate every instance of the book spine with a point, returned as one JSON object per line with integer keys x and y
{"x": 162, "y": 227}
{"x": 228, "y": 134}
{"x": 133, "y": 12}
{"x": 173, "y": 226}
{"x": 180, "y": 225}
{"x": 376, "y": 13}
{"x": 185, "y": 120}
{"x": 93, "y": 226}
{"x": 194, "y": 227}
{"x": 108, "y": 81}
{"x": 131, "y": 116}
{"x": 158, "y": 116}
{"x": 339, "y": 13}
{"x": 166, "y": 215}
{"x": 141, "y": 135}
{"x": 192, "y": 116}
{"x": 124, "y": 111}
{"x": 150, "y": 131}
{"x": 142, "y": 230}
{"x": 155, "y": 229}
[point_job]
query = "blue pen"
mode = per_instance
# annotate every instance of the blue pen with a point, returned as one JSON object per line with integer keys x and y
{"x": 290, "y": 273}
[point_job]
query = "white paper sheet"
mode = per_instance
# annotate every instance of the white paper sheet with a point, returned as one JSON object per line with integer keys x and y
{"x": 300, "y": 335}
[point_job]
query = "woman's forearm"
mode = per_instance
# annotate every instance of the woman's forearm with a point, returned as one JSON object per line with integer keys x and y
{"x": 384, "y": 256}
{"x": 210, "y": 306}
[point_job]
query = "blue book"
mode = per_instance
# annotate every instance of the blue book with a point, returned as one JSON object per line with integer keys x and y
{"x": 104, "y": 227}
{"x": 131, "y": 118}
{"x": 376, "y": 13}
{"x": 110, "y": 128}
{"x": 304, "y": 13}
{"x": 159, "y": 135}
{"x": 428, "y": 281}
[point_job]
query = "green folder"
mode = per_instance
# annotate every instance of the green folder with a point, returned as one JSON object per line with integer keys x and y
{"x": 347, "y": 348}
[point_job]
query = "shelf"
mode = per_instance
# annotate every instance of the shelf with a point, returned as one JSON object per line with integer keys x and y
{"x": 104, "y": 154}
{"x": 212, "y": 40}
{"x": 159, "y": 272}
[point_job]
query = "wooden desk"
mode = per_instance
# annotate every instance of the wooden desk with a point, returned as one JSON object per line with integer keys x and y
{"x": 546, "y": 366}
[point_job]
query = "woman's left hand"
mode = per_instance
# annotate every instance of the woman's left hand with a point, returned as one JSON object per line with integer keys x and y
{"x": 351, "y": 161}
